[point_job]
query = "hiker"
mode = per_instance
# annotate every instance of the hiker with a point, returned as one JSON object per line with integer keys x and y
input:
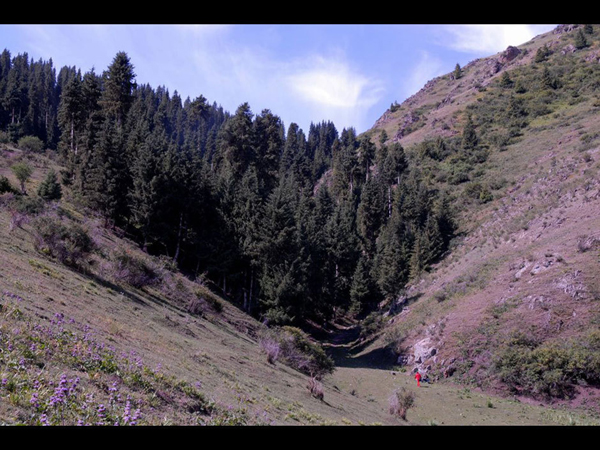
{"x": 418, "y": 378}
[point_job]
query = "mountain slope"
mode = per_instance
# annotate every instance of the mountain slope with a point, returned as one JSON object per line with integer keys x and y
{"x": 515, "y": 302}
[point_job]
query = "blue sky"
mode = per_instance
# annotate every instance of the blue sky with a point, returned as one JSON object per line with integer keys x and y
{"x": 349, "y": 74}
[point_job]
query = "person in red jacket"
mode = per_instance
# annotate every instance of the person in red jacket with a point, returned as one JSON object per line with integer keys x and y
{"x": 418, "y": 378}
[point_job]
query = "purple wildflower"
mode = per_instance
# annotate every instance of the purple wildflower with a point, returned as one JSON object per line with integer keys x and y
{"x": 34, "y": 400}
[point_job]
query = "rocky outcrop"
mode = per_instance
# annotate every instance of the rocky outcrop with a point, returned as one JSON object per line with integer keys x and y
{"x": 509, "y": 54}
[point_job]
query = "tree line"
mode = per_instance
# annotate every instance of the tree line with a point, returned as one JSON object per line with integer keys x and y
{"x": 291, "y": 225}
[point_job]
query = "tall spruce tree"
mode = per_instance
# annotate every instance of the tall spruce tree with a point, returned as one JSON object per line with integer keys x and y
{"x": 119, "y": 84}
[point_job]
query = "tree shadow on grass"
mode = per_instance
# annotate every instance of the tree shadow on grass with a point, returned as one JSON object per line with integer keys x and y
{"x": 381, "y": 358}
{"x": 347, "y": 350}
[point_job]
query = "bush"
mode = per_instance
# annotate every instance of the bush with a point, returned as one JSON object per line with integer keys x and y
{"x": 271, "y": 347}
{"x": 28, "y": 205}
{"x": 5, "y": 186}
{"x": 31, "y": 144}
{"x": 549, "y": 369}
{"x": 69, "y": 243}
{"x": 400, "y": 402}
{"x": 315, "y": 388}
{"x": 133, "y": 270}
{"x": 295, "y": 348}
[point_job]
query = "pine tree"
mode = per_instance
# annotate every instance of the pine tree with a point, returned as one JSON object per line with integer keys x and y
{"x": 71, "y": 113}
{"x": 270, "y": 141}
{"x": 371, "y": 213}
{"x": 457, "y": 72}
{"x": 119, "y": 83}
{"x": 363, "y": 290}
{"x": 50, "y": 188}
{"x": 505, "y": 80}
{"x": 580, "y": 40}
{"x": 106, "y": 189}
{"x": 542, "y": 54}
{"x": 282, "y": 292}
{"x": 237, "y": 142}
{"x": 469, "y": 136}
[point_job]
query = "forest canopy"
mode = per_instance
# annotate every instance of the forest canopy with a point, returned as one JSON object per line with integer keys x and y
{"x": 291, "y": 225}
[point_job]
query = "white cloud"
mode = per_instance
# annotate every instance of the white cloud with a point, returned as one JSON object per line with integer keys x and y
{"x": 332, "y": 90}
{"x": 334, "y": 84}
{"x": 489, "y": 38}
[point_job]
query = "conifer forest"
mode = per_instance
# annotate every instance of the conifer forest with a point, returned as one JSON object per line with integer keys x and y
{"x": 291, "y": 225}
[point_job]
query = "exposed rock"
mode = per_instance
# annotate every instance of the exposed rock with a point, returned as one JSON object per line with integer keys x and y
{"x": 571, "y": 285}
{"x": 560, "y": 29}
{"x": 593, "y": 56}
{"x": 509, "y": 54}
{"x": 568, "y": 49}
{"x": 521, "y": 271}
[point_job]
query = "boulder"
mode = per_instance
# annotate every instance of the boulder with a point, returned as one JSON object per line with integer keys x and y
{"x": 509, "y": 54}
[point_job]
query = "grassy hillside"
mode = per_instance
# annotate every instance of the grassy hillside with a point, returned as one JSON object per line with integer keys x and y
{"x": 513, "y": 308}
{"x": 181, "y": 353}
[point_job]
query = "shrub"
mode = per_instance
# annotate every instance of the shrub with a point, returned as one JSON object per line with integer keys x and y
{"x": 27, "y": 205}
{"x": 315, "y": 388}
{"x": 5, "y": 185}
{"x": 295, "y": 348}
{"x": 69, "y": 243}
{"x": 200, "y": 300}
{"x": 400, "y": 402}
{"x": 31, "y": 144}
{"x": 271, "y": 347}
{"x": 133, "y": 270}
{"x": 549, "y": 369}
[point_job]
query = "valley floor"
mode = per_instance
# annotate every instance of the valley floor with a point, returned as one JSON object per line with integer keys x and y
{"x": 370, "y": 373}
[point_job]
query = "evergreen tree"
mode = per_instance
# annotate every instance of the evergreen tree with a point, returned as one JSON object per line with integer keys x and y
{"x": 505, "y": 80}
{"x": 270, "y": 141}
{"x": 71, "y": 114}
{"x": 50, "y": 188}
{"x": 282, "y": 292}
{"x": 548, "y": 81}
{"x": 366, "y": 155}
{"x": 457, "y": 72}
{"x": 542, "y": 54}
{"x": 363, "y": 290}
{"x": 119, "y": 83}
{"x": 237, "y": 142}
{"x": 580, "y": 40}
{"x": 370, "y": 214}
{"x": 469, "y": 136}
{"x": 106, "y": 188}
{"x": 342, "y": 247}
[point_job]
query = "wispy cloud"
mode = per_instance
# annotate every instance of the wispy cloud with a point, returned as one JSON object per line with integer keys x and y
{"x": 334, "y": 84}
{"x": 488, "y": 38}
{"x": 333, "y": 90}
